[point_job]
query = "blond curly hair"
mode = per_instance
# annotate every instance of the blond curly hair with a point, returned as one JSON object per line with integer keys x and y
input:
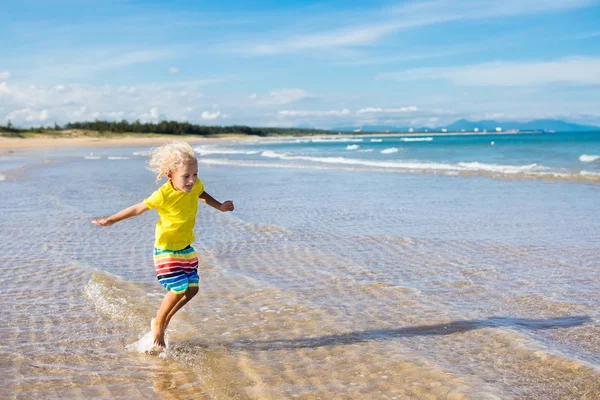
{"x": 168, "y": 157}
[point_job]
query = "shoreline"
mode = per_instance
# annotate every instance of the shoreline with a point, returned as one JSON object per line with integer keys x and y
{"x": 11, "y": 145}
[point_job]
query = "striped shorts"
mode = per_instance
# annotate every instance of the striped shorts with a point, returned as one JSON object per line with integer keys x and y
{"x": 176, "y": 270}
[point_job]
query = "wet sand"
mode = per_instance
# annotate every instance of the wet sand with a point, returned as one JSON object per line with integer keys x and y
{"x": 323, "y": 284}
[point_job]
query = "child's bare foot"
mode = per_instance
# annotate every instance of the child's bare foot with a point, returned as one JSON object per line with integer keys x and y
{"x": 158, "y": 333}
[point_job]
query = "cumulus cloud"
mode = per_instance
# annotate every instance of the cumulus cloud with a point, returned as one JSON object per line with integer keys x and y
{"x": 376, "y": 110}
{"x": 206, "y": 115}
{"x": 580, "y": 70}
{"x": 29, "y": 115}
{"x": 4, "y": 88}
{"x": 173, "y": 70}
{"x": 4, "y": 75}
{"x": 153, "y": 115}
{"x": 24, "y": 103}
{"x": 292, "y": 113}
{"x": 253, "y": 96}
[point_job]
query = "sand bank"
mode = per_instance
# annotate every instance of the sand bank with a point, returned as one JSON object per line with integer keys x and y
{"x": 33, "y": 144}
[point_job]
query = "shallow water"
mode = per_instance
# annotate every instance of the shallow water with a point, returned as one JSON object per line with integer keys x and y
{"x": 324, "y": 283}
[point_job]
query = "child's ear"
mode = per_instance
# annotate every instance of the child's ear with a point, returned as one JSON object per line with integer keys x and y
{"x": 169, "y": 175}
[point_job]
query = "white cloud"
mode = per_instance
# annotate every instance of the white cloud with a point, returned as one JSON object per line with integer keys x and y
{"x": 374, "y": 110}
{"x": 210, "y": 116}
{"x": 23, "y": 103}
{"x": 282, "y": 96}
{"x": 29, "y": 115}
{"x": 173, "y": 70}
{"x": 581, "y": 70}
{"x": 416, "y": 14}
{"x": 292, "y": 113}
{"x": 4, "y": 75}
{"x": 4, "y": 88}
{"x": 253, "y": 96}
{"x": 152, "y": 116}
{"x": 352, "y": 36}
{"x": 70, "y": 64}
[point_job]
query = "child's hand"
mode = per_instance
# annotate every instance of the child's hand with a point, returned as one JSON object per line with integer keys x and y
{"x": 227, "y": 206}
{"x": 102, "y": 222}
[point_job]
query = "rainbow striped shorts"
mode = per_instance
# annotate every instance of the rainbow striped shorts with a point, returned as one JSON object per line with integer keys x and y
{"x": 176, "y": 270}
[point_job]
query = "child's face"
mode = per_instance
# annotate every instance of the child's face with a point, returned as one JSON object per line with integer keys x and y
{"x": 184, "y": 177}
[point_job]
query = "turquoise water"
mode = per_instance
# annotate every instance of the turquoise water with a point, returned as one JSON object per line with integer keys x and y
{"x": 571, "y": 156}
{"x": 332, "y": 279}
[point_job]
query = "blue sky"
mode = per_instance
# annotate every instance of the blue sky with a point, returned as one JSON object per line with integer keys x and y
{"x": 290, "y": 63}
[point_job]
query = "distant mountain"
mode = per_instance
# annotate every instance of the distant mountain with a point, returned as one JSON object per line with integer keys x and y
{"x": 538, "y": 124}
{"x": 489, "y": 125}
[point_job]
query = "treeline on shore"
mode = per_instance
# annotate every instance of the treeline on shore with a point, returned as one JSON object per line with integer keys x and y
{"x": 162, "y": 127}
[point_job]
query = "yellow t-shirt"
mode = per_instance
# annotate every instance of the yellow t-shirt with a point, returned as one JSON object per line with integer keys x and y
{"x": 177, "y": 212}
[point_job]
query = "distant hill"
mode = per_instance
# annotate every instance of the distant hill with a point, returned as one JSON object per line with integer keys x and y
{"x": 489, "y": 125}
{"x": 538, "y": 124}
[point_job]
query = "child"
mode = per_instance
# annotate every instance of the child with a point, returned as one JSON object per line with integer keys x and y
{"x": 176, "y": 202}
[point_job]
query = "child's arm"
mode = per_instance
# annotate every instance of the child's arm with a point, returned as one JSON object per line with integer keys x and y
{"x": 208, "y": 199}
{"x": 133, "y": 211}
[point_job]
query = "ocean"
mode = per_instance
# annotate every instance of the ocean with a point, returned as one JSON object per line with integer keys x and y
{"x": 372, "y": 267}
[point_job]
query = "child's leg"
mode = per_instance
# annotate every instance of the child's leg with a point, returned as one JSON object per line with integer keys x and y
{"x": 182, "y": 287}
{"x": 158, "y": 324}
{"x": 187, "y": 296}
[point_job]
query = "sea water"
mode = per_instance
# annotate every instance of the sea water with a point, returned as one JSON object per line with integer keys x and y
{"x": 352, "y": 267}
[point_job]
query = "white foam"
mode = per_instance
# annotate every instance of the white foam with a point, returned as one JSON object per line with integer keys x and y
{"x": 415, "y": 165}
{"x": 146, "y": 345}
{"x": 352, "y": 147}
{"x": 425, "y": 139}
{"x": 210, "y": 150}
{"x": 284, "y": 141}
{"x": 273, "y": 154}
{"x": 118, "y": 158}
{"x": 589, "y": 158}
{"x": 367, "y": 163}
{"x": 505, "y": 169}
{"x": 390, "y": 150}
{"x": 92, "y": 157}
{"x": 589, "y": 173}
{"x": 376, "y": 140}
{"x": 336, "y": 140}
{"x": 144, "y": 153}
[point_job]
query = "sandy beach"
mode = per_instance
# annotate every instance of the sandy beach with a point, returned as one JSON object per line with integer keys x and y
{"x": 36, "y": 143}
